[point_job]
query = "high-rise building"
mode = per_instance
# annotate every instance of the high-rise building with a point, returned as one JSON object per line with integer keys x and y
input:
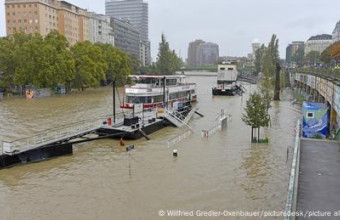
{"x": 136, "y": 12}
{"x": 100, "y": 30}
{"x": 192, "y": 52}
{"x": 318, "y": 43}
{"x": 208, "y": 53}
{"x": 37, "y": 16}
{"x": 255, "y": 46}
{"x": 202, "y": 53}
{"x": 126, "y": 37}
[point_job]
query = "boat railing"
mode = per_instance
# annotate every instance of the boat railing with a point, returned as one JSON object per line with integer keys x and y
{"x": 50, "y": 136}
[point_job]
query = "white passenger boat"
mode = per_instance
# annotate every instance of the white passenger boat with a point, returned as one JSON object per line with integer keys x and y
{"x": 158, "y": 91}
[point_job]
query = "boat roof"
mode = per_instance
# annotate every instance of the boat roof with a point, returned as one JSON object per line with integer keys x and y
{"x": 157, "y": 76}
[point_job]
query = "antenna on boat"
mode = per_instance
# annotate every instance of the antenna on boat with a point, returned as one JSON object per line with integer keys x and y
{"x": 164, "y": 91}
{"x": 114, "y": 100}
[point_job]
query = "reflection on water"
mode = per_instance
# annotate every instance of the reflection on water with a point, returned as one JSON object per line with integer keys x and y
{"x": 101, "y": 181}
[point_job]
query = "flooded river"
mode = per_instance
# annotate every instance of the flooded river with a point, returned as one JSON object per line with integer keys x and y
{"x": 101, "y": 181}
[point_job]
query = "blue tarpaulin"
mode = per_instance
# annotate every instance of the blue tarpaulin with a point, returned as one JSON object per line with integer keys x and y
{"x": 315, "y": 119}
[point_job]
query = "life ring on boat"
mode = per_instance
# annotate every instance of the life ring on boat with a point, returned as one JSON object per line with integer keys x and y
{"x": 29, "y": 94}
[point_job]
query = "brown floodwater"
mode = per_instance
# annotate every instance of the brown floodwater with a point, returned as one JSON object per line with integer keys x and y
{"x": 101, "y": 181}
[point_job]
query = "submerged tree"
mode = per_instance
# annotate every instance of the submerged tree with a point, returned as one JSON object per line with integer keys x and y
{"x": 256, "y": 114}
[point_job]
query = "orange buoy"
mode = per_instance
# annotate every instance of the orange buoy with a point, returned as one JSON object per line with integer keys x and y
{"x": 122, "y": 142}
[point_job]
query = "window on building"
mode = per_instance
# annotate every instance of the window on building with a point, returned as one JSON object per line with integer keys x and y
{"x": 13, "y": 6}
{"x": 18, "y": 5}
{"x": 13, "y": 14}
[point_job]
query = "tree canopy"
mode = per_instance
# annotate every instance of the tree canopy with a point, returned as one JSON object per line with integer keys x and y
{"x": 167, "y": 61}
{"x": 50, "y": 61}
{"x": 256, "y": 112}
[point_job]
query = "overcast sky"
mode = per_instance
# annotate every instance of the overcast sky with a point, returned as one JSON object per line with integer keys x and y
{"x": 232, "y": 24}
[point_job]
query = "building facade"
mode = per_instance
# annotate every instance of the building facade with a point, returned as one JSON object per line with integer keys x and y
{"x": 136, "y": 12}
{"x": 193, "y": 52}
{"x": 43, "y": 16}
{"x": 208, "y": 54}
{"x": 202, "y": 53}
{"x": 318, "y": 43}
{"x": 255, "y": 46}
{"x": 336, "y": 32}
{"x": 289, "y": 55}
{"x": 100, "y": 30}
{"x": 126, "y": 37}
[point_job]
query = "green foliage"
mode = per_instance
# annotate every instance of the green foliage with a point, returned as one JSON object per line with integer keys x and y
{"x": 299, "y": 56}
{"x": 8, "y": 61}
{"x": 326, "y": 57}
{"x": 313, "y": 57}
{"x": 317, "y": 136}
{"x": 90, "y": 64}
{"x": 119, "y": 64}
{"x": 270, "y": 63}
{"x": 259, "y": 59}
{"x": 50, "y": 61}
{"x": 256, "y": 114}
{"x": 167, "y": 61}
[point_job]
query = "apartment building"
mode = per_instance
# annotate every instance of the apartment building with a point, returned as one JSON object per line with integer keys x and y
{"x": 100, "y": 30}
{"x": 43, "y": 16}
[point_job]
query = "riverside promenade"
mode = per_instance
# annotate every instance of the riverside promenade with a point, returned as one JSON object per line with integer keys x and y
{"x": 319, "y": 178}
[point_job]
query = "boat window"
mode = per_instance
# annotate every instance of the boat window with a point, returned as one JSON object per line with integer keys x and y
{"x": 222, "y": 68}
{"x": 171, "y": 82}
{"x": 230, "y": 68}
{"x": 158, "y": 98}
{"x": 146, "y": 81}
{"x": 139, "y": 99}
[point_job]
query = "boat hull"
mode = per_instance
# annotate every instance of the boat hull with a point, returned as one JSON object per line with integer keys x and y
{"x": 225, "y": 92}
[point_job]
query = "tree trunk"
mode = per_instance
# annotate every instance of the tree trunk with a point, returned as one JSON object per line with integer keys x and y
{"x": 258, "y": 134}
{"x": 252, "y": 134}
{"x": 277, "y": 82}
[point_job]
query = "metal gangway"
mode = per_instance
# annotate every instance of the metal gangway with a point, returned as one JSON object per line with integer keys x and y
{"x": 178, "y": 119}
{"x": 51, "y": 136}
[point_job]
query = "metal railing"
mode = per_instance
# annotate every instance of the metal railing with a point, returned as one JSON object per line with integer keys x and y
{"x": 50, "y": 136}
{"x": 329, "y": 74}
{"x": 179, "y": 138}
{"x": 293, "y": 181}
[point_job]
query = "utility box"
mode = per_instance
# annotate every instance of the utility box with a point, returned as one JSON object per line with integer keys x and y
{"x": 315, "y": 120}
